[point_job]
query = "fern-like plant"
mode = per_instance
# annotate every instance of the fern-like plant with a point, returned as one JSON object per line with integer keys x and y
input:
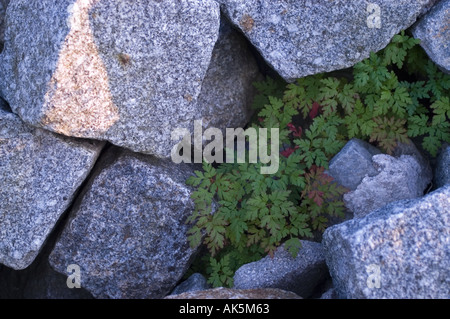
{"x": 255, "y": 213}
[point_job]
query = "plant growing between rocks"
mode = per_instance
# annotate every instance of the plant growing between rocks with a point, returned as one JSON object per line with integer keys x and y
{"x": 395, "y": 94}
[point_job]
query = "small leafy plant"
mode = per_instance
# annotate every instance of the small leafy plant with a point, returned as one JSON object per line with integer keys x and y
{"x": 393, "y": 95}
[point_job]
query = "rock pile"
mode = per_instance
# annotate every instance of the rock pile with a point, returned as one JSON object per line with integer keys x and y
{"x": 90, "y": 94}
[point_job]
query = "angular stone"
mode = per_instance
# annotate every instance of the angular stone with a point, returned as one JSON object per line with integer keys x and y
{"x": 401, "y": 248}
{"x": 39, "y": 280}
{"x": 442, "y": 169}
{"x": 128, "y": 72}
{"x": 128, "y": 232}
{"x": 195, "y": 282}
{"x": 3, "y": 5}
{"x": 353, "y": 163}
{"x": 227, "y": 293}
{"x": 40, "y": 173}
{"x": 434, "y": 33}
{"x": 227, "y": 91}
{"x": 300, "y": 275}
{"x": 398, "y": 178}
{"x": 425, "y": 172}
{"x": 302, "y": 37}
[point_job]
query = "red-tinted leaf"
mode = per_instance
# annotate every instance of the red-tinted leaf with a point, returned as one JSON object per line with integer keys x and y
{"x": 316, "y": 196}
{"x": 314, "y": 110}
{"x": 288, "y": 152}
{"x": 299, "y": 132}
{"x": 296, "y": 131}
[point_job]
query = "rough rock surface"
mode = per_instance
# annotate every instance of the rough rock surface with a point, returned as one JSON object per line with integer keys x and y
{"x": 398, "y": 178}
{"x": 425, "y": 172}
{"x": 227, "y": 293}
{"x": 195, "y": 282}
{"x": 127, "y": 232}
{"x": 353, "y": 163}
{"x": 128, "y": 72}
{"x": 3, "y": 5}
{"x": 302, "y": 37}
{"x": 434, "y": 32}
{"x": 442, "y": 169}
{"x": 227, "y": 90}
{"x": 300, "y": 275}
{"x": 329, "y": 294}
{"x": 401, "y": 248}
{"x": 40, "y": 172}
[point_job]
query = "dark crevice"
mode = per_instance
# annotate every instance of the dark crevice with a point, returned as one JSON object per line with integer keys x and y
{"x": 5, "y": 105}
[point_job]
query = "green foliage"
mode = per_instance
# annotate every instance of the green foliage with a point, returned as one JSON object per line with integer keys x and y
{"x": 388, "y": 132}
{"x": 241, "y": 215}
{"x": 320, "y": 198}
{"x": 321, "y": 141}
{"x": 391, "y": 110}
{"x": 435, "y": 127}
{"x": 395, "y": 53}
{"x": 221, "y": 273}
{"x": 302, "y": 94}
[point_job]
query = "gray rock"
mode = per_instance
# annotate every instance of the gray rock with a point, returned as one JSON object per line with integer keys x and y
{"x": 300, "y": 275}
{"x": 195, "y": 282}
{"x": 329, "y": 294}
{"x": 401, "y": 248}
{"x": 302, "y": 37}
{"x": 353, "y": 163}
{"x": 425, "y": 172}
{"x": 227, "y": 91}
{"x": 442, "y": 169}
{"x": 433, "y": 31}
{"x": 3, "y": 5}
{"x": 128, "y": 72}
{"x": 227, "y": 293}
{"x": 128, "y": 231}
{"x": 40, "y": 172}
{"x": 398, "y": 179}
{"x": 39, "y": 280}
